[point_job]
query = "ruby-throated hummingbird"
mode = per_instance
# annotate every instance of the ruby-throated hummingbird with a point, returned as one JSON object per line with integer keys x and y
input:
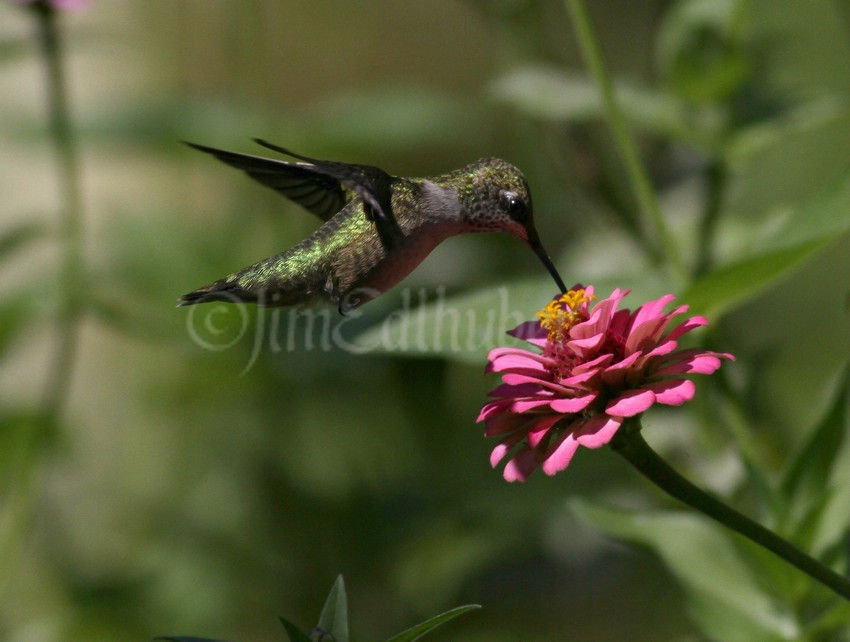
{"x": 377, "y": 228}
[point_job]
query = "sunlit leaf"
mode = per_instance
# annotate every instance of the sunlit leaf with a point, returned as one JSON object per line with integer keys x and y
{"x": 725, "y": 596}
{"x": 825, "y": 215}
{"x": 334, "y": 617}
{"x": 799, "y": 234}
{"x": 423, "y": 628}
{"x": 461, "y": 327}
{"x": 726, "y": 287}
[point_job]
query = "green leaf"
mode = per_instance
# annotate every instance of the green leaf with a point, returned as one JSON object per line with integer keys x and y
{"x": 806, "y": 480}
{"x": 834, "y": 518}
{"x": 823, "y": 216}
{"x": 787, "y": 160}
{"x": 295, "y": 634}
{"x": 462, "y": 327}
{"x": 725, "y": 596}
{"x": 334, "y": 617}
{"x": 832, "y": 624}
{"x": 423, "y": 628}
{"x": 728, "y": 286}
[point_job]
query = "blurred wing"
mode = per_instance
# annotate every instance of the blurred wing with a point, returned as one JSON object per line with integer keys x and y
{"x": 371, "y": 184}
{"x": 317, "y": 191}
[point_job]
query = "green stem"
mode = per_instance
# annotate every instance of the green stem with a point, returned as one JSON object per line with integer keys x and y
{"x": 70, "y": 224}
{"x": 637, "y": 174}
{"x": 630, "y": 444}
{"x": 716, "y": 181}
{"x": 22, "y": 496}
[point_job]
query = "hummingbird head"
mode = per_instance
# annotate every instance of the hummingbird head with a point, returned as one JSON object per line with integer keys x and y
{"x": 495, "y": 197}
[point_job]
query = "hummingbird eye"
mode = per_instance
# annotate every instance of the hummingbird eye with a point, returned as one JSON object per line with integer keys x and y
{"x": 512, "y": 203}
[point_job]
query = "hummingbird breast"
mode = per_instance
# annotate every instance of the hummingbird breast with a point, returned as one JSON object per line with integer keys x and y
{"x": 364, "y": 268}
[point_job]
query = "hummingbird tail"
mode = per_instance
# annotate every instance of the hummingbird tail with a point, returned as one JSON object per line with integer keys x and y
{"x": 231, "y": 292}
{"x": 218, "y": 291}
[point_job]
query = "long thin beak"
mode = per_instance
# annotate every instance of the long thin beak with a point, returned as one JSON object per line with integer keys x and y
{"x": 537, "y": 246}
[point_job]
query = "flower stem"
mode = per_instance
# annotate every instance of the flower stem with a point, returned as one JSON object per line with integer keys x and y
{"x": 631, "y": 445}
{"x": 637, "y": 173}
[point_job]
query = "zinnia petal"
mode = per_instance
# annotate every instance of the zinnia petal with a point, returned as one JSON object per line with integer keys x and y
{"x": 521, "y": 466}
{"x": 513, "y": 362}
{"x": 594, "y": 364}
{"x": 530, "y": 331}
{"x": 631, "y": 403}
{"x": 705, "y": 363}
{"x": 687, "y": 326}
{"x": 560, "y": 455}
{"x": 507, "y": 390}
{"x": 505, "y": 423}
{"x": 569, "y": 405}
{"x": 503, "y": 448}
{"x": 598, "y": 430}
{"x": 672, "y": 392}
{"x": 582, "y": 347}
{"x": 540, "y": 428}
{"x": 600, "y": 318}
{"x": 651, "y": 310}
{"x": 518, "y": 379}
{"x": 518, "y": 356}
{"x": 524, "y": 405}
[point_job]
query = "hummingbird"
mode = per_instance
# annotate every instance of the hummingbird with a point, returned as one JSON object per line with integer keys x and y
{"x": 377, "y": 228}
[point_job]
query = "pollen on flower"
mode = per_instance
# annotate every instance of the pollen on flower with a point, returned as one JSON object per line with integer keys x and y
{"x": 563, "y": 313}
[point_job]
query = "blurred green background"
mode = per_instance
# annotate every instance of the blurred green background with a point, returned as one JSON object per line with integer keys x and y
{"x": 179, "y": 492}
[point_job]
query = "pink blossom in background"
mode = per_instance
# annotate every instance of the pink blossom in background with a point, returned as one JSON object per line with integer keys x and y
{"x": 594, "y": 367}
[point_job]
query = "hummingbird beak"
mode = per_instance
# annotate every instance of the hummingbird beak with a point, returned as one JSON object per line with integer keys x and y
{"x": 537, "y": 246}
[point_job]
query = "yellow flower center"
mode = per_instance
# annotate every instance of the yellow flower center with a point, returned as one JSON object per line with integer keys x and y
{"x": 564, "y": 312}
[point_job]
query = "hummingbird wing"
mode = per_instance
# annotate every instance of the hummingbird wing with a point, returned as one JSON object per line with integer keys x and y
{"x": 317, "y": 192}
{"x": 372, "y": 184}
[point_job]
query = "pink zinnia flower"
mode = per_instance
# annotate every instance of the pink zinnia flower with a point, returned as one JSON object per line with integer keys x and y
{"x": 598, "y": 366}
